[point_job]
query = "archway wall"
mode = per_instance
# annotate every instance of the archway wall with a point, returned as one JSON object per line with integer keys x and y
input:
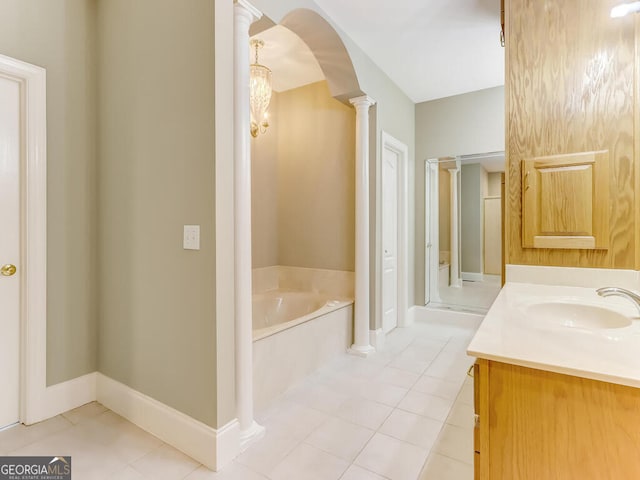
{"x": 393, "y": 113}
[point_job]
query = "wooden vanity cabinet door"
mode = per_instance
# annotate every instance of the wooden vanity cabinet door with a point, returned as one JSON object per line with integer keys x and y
{"x": 565, "y": 201}
{"x": 548, "y": 425}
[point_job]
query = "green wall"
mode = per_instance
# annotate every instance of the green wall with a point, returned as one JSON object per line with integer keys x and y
{"x": 59, "y": 35}
{"x": 156, "y": 145}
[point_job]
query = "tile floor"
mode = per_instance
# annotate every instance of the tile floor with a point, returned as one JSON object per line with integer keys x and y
{"x": 472, "y": 296}
{"x": 403, "y": 414}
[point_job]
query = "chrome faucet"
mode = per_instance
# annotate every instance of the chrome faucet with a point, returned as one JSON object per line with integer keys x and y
{"x": 620, "y": 292}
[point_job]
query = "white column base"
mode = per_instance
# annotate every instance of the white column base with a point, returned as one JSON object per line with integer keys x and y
{"x": 251, "y": 435}
{"x": 361, "y": 351}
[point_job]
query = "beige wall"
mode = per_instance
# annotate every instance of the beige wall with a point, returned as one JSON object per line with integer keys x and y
{"x": 264, "y": 192}
{"x": 471, "y": 218}
{"x": 459, "y": 125}
{"x": 303, "y": 182}
{"x": 156, "y": 104}
{"x": 59, "y": 35}
{"x": 316, "y": 179}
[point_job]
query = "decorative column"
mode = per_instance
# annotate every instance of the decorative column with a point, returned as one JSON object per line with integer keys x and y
{"x": 361, "y": 345}
{"x": 244, "y": 15}
{"x": 455, "y": 241}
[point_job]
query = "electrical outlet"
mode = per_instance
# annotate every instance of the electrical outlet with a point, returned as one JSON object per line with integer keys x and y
{"x": 191, "y": 239}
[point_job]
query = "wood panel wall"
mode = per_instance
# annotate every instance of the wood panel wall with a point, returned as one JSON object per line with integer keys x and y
{"x": 571, "y": 86}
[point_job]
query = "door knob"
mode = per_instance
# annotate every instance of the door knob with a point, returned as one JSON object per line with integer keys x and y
{"x": 8, "y": 270}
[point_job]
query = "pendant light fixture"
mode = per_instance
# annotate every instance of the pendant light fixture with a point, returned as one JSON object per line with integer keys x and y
{"x": 259, "y": 92}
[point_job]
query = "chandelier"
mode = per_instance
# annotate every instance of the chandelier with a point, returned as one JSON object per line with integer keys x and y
{"x": 259, "y": 92}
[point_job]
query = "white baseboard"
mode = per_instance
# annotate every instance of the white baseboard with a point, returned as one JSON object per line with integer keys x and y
{"x": 62, "y": 397}
{"x": 377, "y": 338}
{"x": 472, "y": 276}
{"x": 212, "y": 447}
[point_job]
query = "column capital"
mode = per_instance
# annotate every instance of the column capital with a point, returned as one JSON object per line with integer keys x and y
{"x": 249, "y": 8}
{"x": 362, "y": 101}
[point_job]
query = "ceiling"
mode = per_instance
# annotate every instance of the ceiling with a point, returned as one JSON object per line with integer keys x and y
{"x": 291, "y": 61}
{"x": 429, "y": 48}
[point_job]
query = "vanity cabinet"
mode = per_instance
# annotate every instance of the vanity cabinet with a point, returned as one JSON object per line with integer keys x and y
{"x": 534, "y": 424}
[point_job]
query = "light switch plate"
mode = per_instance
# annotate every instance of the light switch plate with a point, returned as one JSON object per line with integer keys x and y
{"x": 191, "y": 239}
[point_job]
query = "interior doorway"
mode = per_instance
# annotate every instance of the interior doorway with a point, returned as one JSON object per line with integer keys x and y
{"x": 23, "y": 243}
{"x": 10, "y": 274}
{"x": 394, "y": 223}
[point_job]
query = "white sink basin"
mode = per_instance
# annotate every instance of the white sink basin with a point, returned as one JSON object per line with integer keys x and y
{"x": 575, "y": 315}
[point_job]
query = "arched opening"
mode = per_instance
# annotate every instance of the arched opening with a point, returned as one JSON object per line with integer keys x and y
{"x": 342, "y": 84}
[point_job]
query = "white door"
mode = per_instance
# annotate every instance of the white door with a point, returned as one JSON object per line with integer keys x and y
{"x": 9, "y": 251}
{"x": 389, "y": 240}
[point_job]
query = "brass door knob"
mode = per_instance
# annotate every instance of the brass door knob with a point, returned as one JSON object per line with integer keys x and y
{"x": 8, "y": 270}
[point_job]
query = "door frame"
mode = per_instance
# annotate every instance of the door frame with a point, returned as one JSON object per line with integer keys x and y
{"x": 33, "y": 235}
{"x": 432, "y": 230}
{"x": 390, "y": 143}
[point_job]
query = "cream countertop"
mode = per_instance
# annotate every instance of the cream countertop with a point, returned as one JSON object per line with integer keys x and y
{"x": 508, "y": 334}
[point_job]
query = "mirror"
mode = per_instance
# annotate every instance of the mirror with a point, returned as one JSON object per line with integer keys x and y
{"x": 463, "y": 231}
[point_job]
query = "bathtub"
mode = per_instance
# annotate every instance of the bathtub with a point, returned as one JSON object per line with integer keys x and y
{"x": 278, "y": 310}
{"x": 302, "y": 319}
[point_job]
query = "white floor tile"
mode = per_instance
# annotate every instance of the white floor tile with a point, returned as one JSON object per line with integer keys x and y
{"x": 466, "y": 394}
{"x": 295, "y": 421}
{"x": 85, "y": 412}
{"x": 234, "y": 471}
{"x": 392, "y": 458}
{"x": 456, "y": 442}
{"x": 308, "y": 463}
{"x": 397, "y": 377}
{"x": 450, "y": 367}
{"x": 363, "y": 412}
{"x": 361, "y": 367}
{"x": 382, "y": 392}
{"x": 265, "y": 454}
{"x": 427, "y": 405}
{"x": 437, "y": 386}
{"x": 409, "y": 364}
{"x": 319, "y": 397}
{"x": 89, "y": 460}
{"x": 21, "y": 435}
{"x": 165, "y": 463}
{"x": 461, "y": 415}
{"x": 127, "y": 474}
{"x": 379, "y": 411}
{"x": 439, "y": 467}
{"x": 340, "y": 438}
{"x": 355, "y": 472}
{"x": 412, "y": 428}
{"x": 422, "y": 350}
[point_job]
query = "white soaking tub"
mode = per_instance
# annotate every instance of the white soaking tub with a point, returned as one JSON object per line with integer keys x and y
{"x": 278, "y": 310}
{"x": 302, "y": 320}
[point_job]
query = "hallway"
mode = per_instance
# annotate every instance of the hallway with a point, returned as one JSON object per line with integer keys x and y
{"x": 356, "y": 419}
